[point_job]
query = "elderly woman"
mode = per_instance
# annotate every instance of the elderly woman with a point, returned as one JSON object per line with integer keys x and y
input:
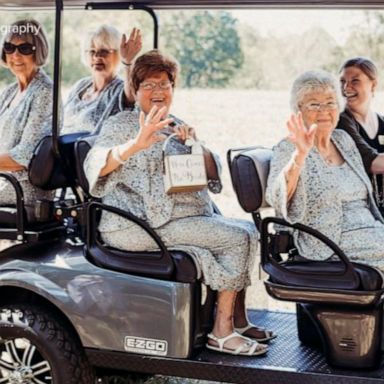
{"x": 317, "y": 177}
{"x": 359, "y": 79}
{"x": 125, "y": 169}
{"x": 93, "y": 99}
{"x": 25, "y": 106}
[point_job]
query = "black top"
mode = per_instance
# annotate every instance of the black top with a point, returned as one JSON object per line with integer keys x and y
{"x": 368, "y": 148}
{"x": 348, "y": 123}
{"x": 378, "y": 141}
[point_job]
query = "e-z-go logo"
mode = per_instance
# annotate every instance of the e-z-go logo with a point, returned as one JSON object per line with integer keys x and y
{"x": 146, "y": 346}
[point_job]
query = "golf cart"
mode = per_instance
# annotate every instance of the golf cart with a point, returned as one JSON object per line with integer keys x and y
{"x": 72, "y": 308}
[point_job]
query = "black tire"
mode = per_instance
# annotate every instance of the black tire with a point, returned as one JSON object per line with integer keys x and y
{"x": 36, "y": 347}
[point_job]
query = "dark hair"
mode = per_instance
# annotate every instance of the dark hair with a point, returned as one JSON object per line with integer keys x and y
{"x": 152, "y": 62}
{"x": 366, "y": 65}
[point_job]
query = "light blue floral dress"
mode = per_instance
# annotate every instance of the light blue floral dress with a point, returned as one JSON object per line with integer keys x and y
{"x": 80, "y": 115}
{"x": 224, "y": 249}
{"x": 335, "y": 200}
{"x": 22, "y": 126}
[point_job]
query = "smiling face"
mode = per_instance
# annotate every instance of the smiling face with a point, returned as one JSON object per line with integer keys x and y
{"x": 357, "y": 88}
{"x": 320, "y": 107}
{"x": 160, "y": 96}
{"x": 102, "y": 61}
{"x": 20, "y": 65}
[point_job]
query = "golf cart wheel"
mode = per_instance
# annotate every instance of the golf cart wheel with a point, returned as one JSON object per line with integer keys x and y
{"x": 36, "y": 348}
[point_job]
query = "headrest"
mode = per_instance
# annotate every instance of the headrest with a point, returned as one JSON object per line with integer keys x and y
{"x": 48, "y": 172}
{"x": 249, "y": 170}
{"x": 82, "y": 147}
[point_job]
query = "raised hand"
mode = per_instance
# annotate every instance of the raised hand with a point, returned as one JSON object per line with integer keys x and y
{"x": 299, "y": 135}
{"x": 129, "y": 48}
{"x": 150, "y": 126}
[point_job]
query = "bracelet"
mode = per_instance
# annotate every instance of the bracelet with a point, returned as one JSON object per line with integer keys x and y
{"x": 116, "y": 155}
{"x": 126, "y": 64}
{"x": 297, "y": 165}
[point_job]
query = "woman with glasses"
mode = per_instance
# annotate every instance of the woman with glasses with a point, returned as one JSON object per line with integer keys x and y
{"x": 125, "y": 169}
{"x": 358, "y": 79}
{"x": 25, "y": 106}
{"x": 104, "y": 93}
{"x": 317, "y": 177}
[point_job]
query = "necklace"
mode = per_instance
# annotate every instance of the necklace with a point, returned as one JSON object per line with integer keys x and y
{"x": 90, "y": 94}
{"x": 328, "y": 159}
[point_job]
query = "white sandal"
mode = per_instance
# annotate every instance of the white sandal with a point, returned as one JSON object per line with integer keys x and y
{"x": 248, "y": 348}
{"x": 268, "y": 334}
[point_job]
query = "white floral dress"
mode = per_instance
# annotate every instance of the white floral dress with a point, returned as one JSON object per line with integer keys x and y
{"x": 336, "y": 200}
{"x": 223, "y": 248}
{"x": 22, "y": 126}
{"x": 82, "y": 115}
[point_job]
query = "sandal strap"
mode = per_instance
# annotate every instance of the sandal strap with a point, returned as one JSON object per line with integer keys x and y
{"x": 247, "y": 343}
{"x": 249, "y": 326}
{"x": 244, "y": 329}
{"x": 222, "y": 340}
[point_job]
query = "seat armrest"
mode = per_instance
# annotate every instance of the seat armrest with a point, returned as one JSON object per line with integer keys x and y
{"x": 164, "y": 263}
{"x": 308, "y": 273}
{"x": 20, "y": 218}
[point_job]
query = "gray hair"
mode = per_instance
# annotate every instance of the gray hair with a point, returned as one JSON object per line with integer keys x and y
{"x": 32, "y": 32}
{"x": 105, "y": 36}
{"x": 314, "y": 81}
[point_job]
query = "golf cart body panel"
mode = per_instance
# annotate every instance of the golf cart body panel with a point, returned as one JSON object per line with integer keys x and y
{"x": 103, "y": 306}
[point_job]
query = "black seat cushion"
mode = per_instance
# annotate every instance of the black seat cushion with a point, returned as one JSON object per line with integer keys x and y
{"x": 8, "y": 218}
{"x": 147, "y": 264}
{"x": 317, "y": 275}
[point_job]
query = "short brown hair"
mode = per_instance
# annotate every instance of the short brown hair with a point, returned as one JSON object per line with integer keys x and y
{"x": 152, "y": 62}
{"x": 366, "y": 65}
{"x": 38, "y": 39}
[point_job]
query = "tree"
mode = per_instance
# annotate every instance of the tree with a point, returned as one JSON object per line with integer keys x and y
{"x": 207, "y": 46}
{"x": 367, "y": 38}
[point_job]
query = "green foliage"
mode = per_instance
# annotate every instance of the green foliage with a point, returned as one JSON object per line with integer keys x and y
{"x": 207, "y": 46}
{"x": 367, "y": 39}
{"x": 213, "y": 48}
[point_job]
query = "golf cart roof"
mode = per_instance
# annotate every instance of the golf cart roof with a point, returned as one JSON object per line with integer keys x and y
{"x": 179, "y": 4}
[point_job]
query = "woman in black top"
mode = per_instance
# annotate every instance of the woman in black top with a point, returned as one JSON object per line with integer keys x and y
{"x": 358, "y": 78}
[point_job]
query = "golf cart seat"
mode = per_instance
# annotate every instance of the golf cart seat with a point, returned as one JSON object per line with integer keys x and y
{"x": 173, "y": 266}
{"x": 163, "y": 264}
{"x": 37, "y": 222}
{"x": 339, "y": 305}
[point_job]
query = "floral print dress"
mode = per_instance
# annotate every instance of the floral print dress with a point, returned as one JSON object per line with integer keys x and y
{"x": 22, "y": 126}
{"x": 223, "y": 249}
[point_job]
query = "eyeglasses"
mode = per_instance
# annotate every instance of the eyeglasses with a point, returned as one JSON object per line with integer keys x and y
{"x": 315, "y": 107}
{"x": 24, "y": 48}
{"x": 100, "y": 52}
{"x": 151, "y": 85}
